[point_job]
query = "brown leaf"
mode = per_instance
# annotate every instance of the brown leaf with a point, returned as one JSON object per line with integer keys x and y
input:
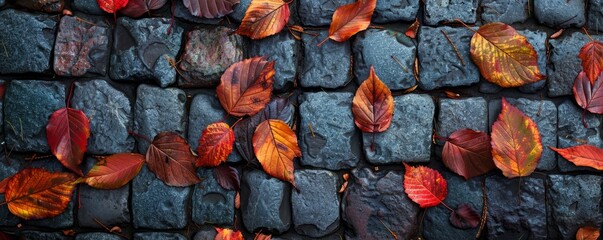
{"x": 264, "y": 18}
{"x": 215, "y": 145}
{"x": 464, "y": 217}
{"x": 591, "y": 55}
{"x": 468, "y": 153}
{"x": 587, "y": 233}
{"x": 169, "y": 156}
{"x": 412, "y": 30}
{"x": 350, "y": 19}
{"x": 227, "y": 177}
{"x": 452, "y": 95}
{"x": 275, "y": 146}
{"x": 373, "y": 105}
{"x": 583, "y": 155}
{"x": 210, "y": 8}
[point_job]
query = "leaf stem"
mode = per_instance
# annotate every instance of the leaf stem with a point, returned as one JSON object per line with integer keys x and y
{"x": 588, "y": 35}
{"x": 71, "y": 86}
{"x": 456, "y": 50}
{"x": 459, "y": 20}
{"x": 140, "y": 136}
{"x": 323, "y": 41}
{"x": 449, "y": 208}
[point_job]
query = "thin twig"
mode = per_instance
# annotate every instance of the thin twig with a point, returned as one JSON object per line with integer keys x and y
{"x": 388, "y": 229}
{"x": 484, "y": 210}
{"x": 456, "y": 50}
{"x": 399, "y": 63}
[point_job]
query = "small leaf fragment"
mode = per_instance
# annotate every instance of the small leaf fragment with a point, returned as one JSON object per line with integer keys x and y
{"x": 583, "y": 155}
{"x": 227, "y": 177}
{"x": 210, "y": 8}
{"x": 464, "y": 217}
{"x": 587, "y": 233}
{"x": 412, "y": 30}
{"x": 111, "y": 6}
{"x": 228, "y": 234}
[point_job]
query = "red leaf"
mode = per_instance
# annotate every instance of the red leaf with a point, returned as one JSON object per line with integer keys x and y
{"x": 264, "y": 18}
{"x": 589, "y": 96}
{"x": 591, "y": 55}
{"x": 114, "y": 171}
{"x": 412, "y": 30}
{"x": 137, "y": 8}
{"x": 3, "y": 184}
{"x": 111, "y": 6}
{"x": 464, "y": 217}
{"x": 227, "y": 177}
{"x": 583, "y": 155}
{"x": 350, "y": 19}
{"x": 2, "y": 90}
{"x": 228, "y": 234}
{"x": 424, "y": 186}
{"x": 215, "y": 145}
{"x": 169, "y": 156}
{"x": 67, "y": 134}
{"x": 210, "y": 8}
{"x": 373, "y": 105}
{"x": 468, "y": 153}
{"x": 587, "y": 233}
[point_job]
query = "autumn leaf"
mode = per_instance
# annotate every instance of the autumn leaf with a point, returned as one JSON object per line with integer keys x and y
{"x": 591, "y": 55}
{"x": 227, "y": 177}
{"x": 350, "y": 19}
{"x": 412, "y": 30}
{"x": 114, "y": 171}
{"x": 468, "y": 153}
{"x": 464, "y": 217}
{"x": 503, "y": 56}
{"x": 261, "y": 236}
{"x": 589, "y": 96}
{"x": 3, "y": 185}
{"x": 111, "y": 6}
{"x": 35, "y": 193}
{"x": 264, "y": 18}
{"x": 583, "y": 155}
{"x": 228, "y": 234}
{"x": 169, "y": 156}
{"x": 215, "y": 145}
{"x": 210, "y": 8}
{"x": 275, "y": 146}
{"x": 424, "y": 186}
{"x": 373, "y": 105}
{"x": 516, "y": 142}
{"x": 67, "y": 134}
{"x": 587, "y": 233}
{"x": 137, "y": 8}
{"x": 246, "y": 86}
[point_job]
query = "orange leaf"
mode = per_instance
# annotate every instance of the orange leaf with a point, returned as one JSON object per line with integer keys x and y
{"x": 275, "y": 146}
{"x": 589, "y": 96}
{"x": 215, "y": 145}
{"x": 516, "y": 142}
{"x": 228, "y": 234}
{"x": 583, "y": 155}
{"x": 350, "y": 19}
{"x": 246, "y": 86}
{"x": 591, "y": 55}
{"x": 114, "y": 171}
{"x": 468, "y": 153}
{"x": 412, "y": 30}
{"x": 111, "y": 6}
{"x": 587, "y": 233}
{"x": 169, "y": 156}
{"x": 503, "y": 56}
{"x": 373, "y": 105}
{"x": 3, "y": 185}
{"x": 424, "y": 186}
{"x": 67, "y": 134}
{"x": 35, "y": 193}
{"x": 261, "y": 236}
{"x": 264, "y": 18}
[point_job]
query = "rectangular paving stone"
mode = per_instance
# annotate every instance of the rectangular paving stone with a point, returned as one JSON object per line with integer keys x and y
{"x": 315, "y": 206}
{"x": 328, "y": 136}
{"x": 560, "y": 13}
{"x": 319, "y": 12}
{"x": 456, "y": 114}
{"x": 87, "y": 6}
{"x": 285, "y": 51}
{"x": 212, "y": 204}
{"x": 266, "y": 203}
{"x": 97, "y": 236}
{"x": 158, "y": 235}
{"x": 506, "y": 11}
{"x": 572, "y": 132}
{"x": 38, "y": 235}
{"x": 327, "y": 66}
{"x": 595, "y": 15}
{"x": 394, "y": 11}
{"x": 437, "y": 12}
{"x": 408, "y": 138}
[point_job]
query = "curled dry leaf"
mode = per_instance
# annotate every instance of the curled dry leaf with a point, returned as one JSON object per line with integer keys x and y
{"x": 582, "y": 155}
{"x": 67, "y": 134}
{"x": 246, "y": 86}
{"x": 227, "y": 177}
{"x": 169, "y": 156}
{"x": 516, "y": 142}
{"x": 35, "y": 193}
{"x": 464, "y": 217}
{"x": 373, "y": 105}
{"x": 261, "y": 236}
{"x": 215, "y": 145}
{"x": 111, "y": 6}
{"x": 344, "y": 186}
{"x": 275, "y": 146}
{"x": 589, "y": 96}
{"x": 587, "y": 233}
{"x": 137, "y": 8}
{"x": 237, "y": 201}
{"x": 468, "y": 153}
{"x": 350, "y": 19}
{"x": 557, "y": 34}
{"x": 264, "y": 18}
{"x": 503, "y": 56}
{"x": 412, "y": 30}
{"x": 424, "y": 186}
{"x": 228, "y": 234}
{"x": 452, "y": 95}
{"x": 210, "y": 8}
{"x": 114, "y": 171}
{"x": 591, "y": 55}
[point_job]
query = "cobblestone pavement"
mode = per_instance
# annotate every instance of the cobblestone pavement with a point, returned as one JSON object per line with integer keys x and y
{"x": 125, "y": 80}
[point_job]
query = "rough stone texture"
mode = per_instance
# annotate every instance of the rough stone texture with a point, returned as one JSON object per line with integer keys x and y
{"x": 268, "y": 203}
{"x": 488, "y": 87}
{"x": 319, "y": 12}
{"x": 205, "y": 234}
{"x": 560, "y": 13}
{"x": 212, "y": 204}
{"x": 81, "y": 49}
{"x": 2, "y": 2}
{"x": 204, "y": 110}
{"x": 8, "y": 167}
{"x": 595, "y": 15}
{"x": 35, "y": 235}
{"x": 142, "y": 50}
{"x": 331, "y": 143}
{"x": 169, "y": 204}
{"x": 97, "y": 236}
{"x": 27, "y": 106}
{"x": 27, "y": 41}
{"x": 538, "y": 40}
{"x": 448, "y": 10}
{"x": 239, "y": 10}
{"x": 508, "y": 218}
{"x": 159, "y": 235}
{"x": 2, "y": 85}
{"x": 457, "y": 114}
{"x": 49, "y": 6}
{"x": 328, "y": 66}
{"x": 378, "y": 48}
{"x": 158, "y": 110}
{"x": 439, "y": 66}
{"x": 368, "y": 216}
{"x": 207, "y": 54}
{"x": 395, "y": 10}
{"x": 316, "y": 204}
{"x": 571, "y": 132}
{"x": 437, "y": 224}
{"x": 574, "y": 201}
{"x": 544, "y": 114}
{"x": 181, "y": 12}
{"x": 408, "y": 138}
{"x": 87, "y": 6}
{"x": 284, "y": 50}
{"x": 506, "y": 11}
{"x": 294, "y": 236}
{"x": 110, "y": 114}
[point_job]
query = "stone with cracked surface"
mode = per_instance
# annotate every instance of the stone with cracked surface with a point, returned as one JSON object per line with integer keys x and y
{"x": 267, "y": 205}
{"x": 560, "y": 13}
{"x": 395, "y": 10}
{"x": 212, "y": 204}
{"x": 572, "y": 132}
{"x": 316, "y": 205}
{"x": 506, "y": 11}
{"x": 441, "y": 11}
{"x": 328, "y": 66}
{"x": 285, "y": 51}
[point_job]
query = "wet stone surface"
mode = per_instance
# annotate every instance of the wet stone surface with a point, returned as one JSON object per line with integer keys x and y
{"x": 560, "y": 13}
{"x": 447, "y": 11}
{"x": 395, "y": 10}
{"x": 595, "y": 15}
{"x": 49, "y": 6}
{"x": 457, "y": 114}
{"x": 538, "y": 40}
{"x": 572, "y": 132}
{"x": 327, "y": 66}
{"x": 239, "y": 10}
{"x": 212, "y": 204}
{"x": 506, "y": 11}
{"x": 87, "y": 6}
{"x": 315, "y": 206}
{"x": 319, "y": 12}
{"x": 158, "y": 235}
{"x": 36, "y": 235}
{"x": 268, "y": 203}
{"x": 97, "y": 236}
{"x": 284, "y": 50}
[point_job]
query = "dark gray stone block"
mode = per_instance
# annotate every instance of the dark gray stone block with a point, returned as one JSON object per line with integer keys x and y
{"x": 574, "y": 202}
{"x": 457, "y": 114}
{"x": 319, "y": 12}
{"x": 328, "y": 136}
{"x": 49, "y": 6}
{"x": 87, "y": 6}
{"x": 8, "y": 168}
{"x": 294, "y": 236}
{"x": 439, "y": 66}
{"x": 36, "y": 235}
{"x": 538, "y": 40}
{"x": 378, "y": 48}
{"x": 316, "y": 204}
{"x": 267, "y": 203}
{"x": 110, "y": 114}
{"x": 437, "y": 12}
{"x": 506, "y": 11}
{"x": 158, "y": 110}
{"x": 560, "y": 13}
{"x": 212, "y": 204}
{"x": 2, "y": 2}
{"x": 595, "y": 15}
{"x": 369, "y": 217}
{"x": 327, "y": 66}
{"x": 408, "y": 138}
{"x": 156, "y": 205}
{"x": 97, "y": 236}
{"x": 159, "y": 235}
{"x": 395, "y": 10}
{"x": 488, "y": 87}
{"x": 239, "y": 10}
{"x": 142, "y": 50}
{"x": 285, "y": 51}
{"x": 205, "y": 235}
{"x": 28, "y": 105}
{"x": 27, "y": 41}
{"x": 516, "y": 208}
{"x": 572, "y": 132}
